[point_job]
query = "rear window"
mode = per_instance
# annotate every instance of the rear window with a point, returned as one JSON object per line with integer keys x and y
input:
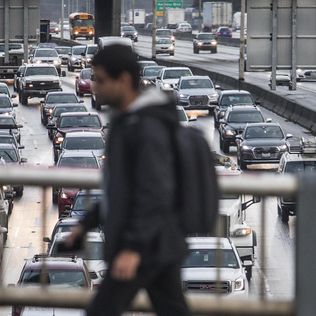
{"x": 59, "y": 110}
{"x": 300, "y": 166}
{"x": 92, "y": 121}
{"x": 245, "y": 117}
{"x": 83, "y": 143}
{"x": 78, "y": 162}
{"x": 62, "y": 98}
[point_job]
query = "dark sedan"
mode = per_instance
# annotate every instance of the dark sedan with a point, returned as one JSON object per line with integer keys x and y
{"x": 261, "y": 143}
{"x": 83, "y": 82}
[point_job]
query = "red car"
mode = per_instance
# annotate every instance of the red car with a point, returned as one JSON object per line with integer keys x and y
{"x": 65, "y": 198}
{"x": 83, "y": 82}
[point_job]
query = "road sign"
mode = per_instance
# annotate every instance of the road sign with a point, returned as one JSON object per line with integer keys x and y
{"x": 174, "y": 4}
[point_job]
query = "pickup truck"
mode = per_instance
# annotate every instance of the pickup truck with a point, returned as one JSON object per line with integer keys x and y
{"x": 16, "y": 57}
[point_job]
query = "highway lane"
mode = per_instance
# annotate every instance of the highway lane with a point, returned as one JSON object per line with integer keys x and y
{"x": 25, "y": 225}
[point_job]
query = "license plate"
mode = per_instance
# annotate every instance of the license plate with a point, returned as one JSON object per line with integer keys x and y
{"x": 266, "y": 155}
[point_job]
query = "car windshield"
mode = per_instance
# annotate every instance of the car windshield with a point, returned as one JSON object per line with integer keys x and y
{"x": 300, "y": 166}
{"x": 166, "y": 41}
{"x": 128, "y": 29}
{"x": 78, "y": 162}
{"x": 211, "y": 258}
{"x": 185, "y": 25}
{"x": 63, "y": 50}
{"x": 78, "y": 50}
{"x": 196, "y": 84}
{"x": 145, "y": 64}
{"x": 9, "y": 155}
{"x": 45, "y": 53}
{"x": 11, "y": 47}
{"x": 182, "y": 116}
{"x": 41, "y": 71}
{"x": 176, "y": 73}
{"x": 92, "y": 50}
{"x": 163, "y": 33}
{"x": 72, "y": 278}
{"x": 5, "y": 102}
{"x": 4, "y": 90}
{"x": 80, "y": 23}
{"x": 206, "y": 36}
{"x": 61, "y": 98}
{"x": 152, "y": 71}
{"x": 264, "y": 132}
{"x": 82, "y": 202}
{"x": 85, "y": 143}
{"x": 66, "y": 109}
{"x": 93, "y": 251}
{"x": 86, "y": 74}
{"x": 228, "y": 100}
{"x": 245, "y": 117}
{"x": 89, "y": 121}
{"x": 7, "y": 139}
{"x": 7, "y": 121}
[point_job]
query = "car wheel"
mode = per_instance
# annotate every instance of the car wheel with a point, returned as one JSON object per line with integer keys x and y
{"x": 225, "y": 147}
{"x": 19, "y": 192}
{"x": 249, "y": 273}
{"x": 92, "y": 102}
{"x": 214, "y": 51}
{"x": 242, "y": 165}
{"x": 24, "y": 99}
{"x": 10, "y": 207}
{"x": 98, "y": 106}
{"x": 284, "y": 215}
{"x": 54, "y": 196}
{"x": 171, "y": 54}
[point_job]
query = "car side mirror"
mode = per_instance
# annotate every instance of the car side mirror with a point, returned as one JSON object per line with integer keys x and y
{"x": 158, "y": 78}
{"x": 193, "y": 119}
{"x": 256, "y": 199}
{"x": 69, "y": 54}
{"x": 83, "y": 54}
{"x": 222, "y": 122}
{"x": 50, "y": 126}
{"x": 63, "y": 73}
{"x": 218, "y": 87}
{"x": 21, "y": 147}
{"x": 8, "y": 195}
{"x": 247, "y": 263}
{"x": 269, "y": 120}
{"x": 23, "y": 160}
{"x": 238, "y": 137}
{"x": 42, "y": 101}
{"x": 13, "y": 96}
{"x": 46, "y": 239}
{"x": 214, "y": 102}
{"x": 257, "y": 102}
{"x": 19, "y": 126}
{"x": 81, "y": 101}
{"x": 15, "y": 105}
{"x": 288, "y": 136}
{"x": 106, "y": 126}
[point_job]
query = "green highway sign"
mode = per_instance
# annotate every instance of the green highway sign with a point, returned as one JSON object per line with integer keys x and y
{"x": 174, "y": 4}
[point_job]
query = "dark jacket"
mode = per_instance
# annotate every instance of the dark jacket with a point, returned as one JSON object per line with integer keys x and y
{"x": 141, "y": 184}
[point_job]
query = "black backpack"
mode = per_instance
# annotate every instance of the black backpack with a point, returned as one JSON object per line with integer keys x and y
{"x": 197, "y": 195}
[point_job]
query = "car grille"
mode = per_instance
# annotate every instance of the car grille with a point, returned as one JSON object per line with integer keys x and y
{"x": 93, "y": 275}
{"x": 222, "y": 287}
{"x": 45, "y": 85}
{"x": 266, "y": 152}
{"x": 47, "y": 61}
{"x": 199, "y": 100}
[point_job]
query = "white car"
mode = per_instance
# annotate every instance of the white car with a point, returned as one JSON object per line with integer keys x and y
{"x": 92, "y": 254}
{"x": 200, "y": 271}
{"x": 169, "y": 77}
{"x": 165, "y": 46}
{"x": 184, "y": 28}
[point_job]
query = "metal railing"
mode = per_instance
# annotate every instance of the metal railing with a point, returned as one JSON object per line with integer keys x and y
{"x": 263, "y": 185}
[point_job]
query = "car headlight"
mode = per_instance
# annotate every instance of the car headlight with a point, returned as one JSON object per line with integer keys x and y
{"x": 122, "y": 34}
{"x": 171, "y": 47}
{"x": 102, "y": 273}
{"x": 30, "y": 85}
{"x": 5, "y": 188}
{"x": 50, "y": 111}
{"x": 245, "y": 147}
{"x": 76, "y": 33}
{"x": 166, "y": 85}
{"x": 38, "y": 61}
{"x": 213, "y": 97}
{"x": 213, "y": 43}
{"x": 73, "y": 58}
{"x": 135, "y": 34}
{"x": 242, "y": 231}
{"x": 239, "y": 284}
{"x": 57, "y": 62}
{"x": 283, "y": 147}
{"x": 230, "y": 132}
{"x": 59, "y": 139}
{"x": 173, "y": 38}
{"x": 90, "y": 32}
{"x": 184, "y": 96}
{"x": 200, "y": 43}
{"x": 64, "y": 196}
{"x": 146, "y": 82}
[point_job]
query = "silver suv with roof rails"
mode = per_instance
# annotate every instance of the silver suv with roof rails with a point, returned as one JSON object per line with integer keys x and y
{"x": 301, "y": 158}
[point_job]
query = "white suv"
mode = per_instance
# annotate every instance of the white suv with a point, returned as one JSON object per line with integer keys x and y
{"x": 200, "y": 269}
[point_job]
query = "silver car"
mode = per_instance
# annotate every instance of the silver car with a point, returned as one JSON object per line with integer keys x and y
{"x": 165, "y": 46}
{"x": 196, "y": 93}
{"x": 47, "y": 56}
{"x": 75, "y": 57}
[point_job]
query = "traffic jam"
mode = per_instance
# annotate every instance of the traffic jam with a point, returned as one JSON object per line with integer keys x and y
{"x": 56, "y": 88}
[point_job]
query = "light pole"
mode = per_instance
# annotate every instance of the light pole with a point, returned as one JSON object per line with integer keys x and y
{"x": 200, "y": 15}
{"x": 133, "y": 11}
{"x": 242, "y": 42}
{"x": 62, "y": 19}
{"x": 153, "y": 46}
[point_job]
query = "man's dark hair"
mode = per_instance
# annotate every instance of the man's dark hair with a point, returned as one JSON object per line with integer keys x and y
{"x": 117, "y": 59}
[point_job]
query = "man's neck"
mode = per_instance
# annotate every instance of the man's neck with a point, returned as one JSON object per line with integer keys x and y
{"x": 128, "y": 100}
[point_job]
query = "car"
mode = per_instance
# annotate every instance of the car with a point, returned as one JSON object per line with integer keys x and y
{"x": 282, "y": 79}
{"x": 111, "y": 40}
{"x": 169, "y": 77}
{"x": 129, "y": 31}
{"x": 63, "y": 53}
{"x": 4, "y": 89}
{"x": 17, "y": 78}
{"x": 92, "y": 254}
{"x": 209, "y": 258}
{"x": 300, "y": 159}
{"x": 9, "y": 124}
{"x": 5, "y": 211}
{"x": 149, "y": 76}
{"x": 85, "y": 141}
{"x": 53, "y": 98}
{"x": 6, "y": 105}
{"x": 7, "y": 137}
{"x": 88, "y": 55}
{"x": 58, "y": 109}
{"x": 54, "y": 28}
{"x": 305, "y": 75}
{"x": 83, "y": 82}
{"x": 224, "y": 31}
{"x": 165, "y": 46}
{"x": 47, "y": 56}
{"x": 12, "y": 156}
{"x": 229, "y": 98}
{"x": 83, "y": 202}
{"x": 149, "y": 27}
{"x": 145, "y": 63}
{"x": 196, "y": 93}
{"x": 3, "y": 232}
{"x": 38, "y": 80}
{"x": 74, "y": 121}
{"x": 165, "y": 33}
{"x": 234, "y": 123}
{"x": 73, "y": 160}
{"x": 206, "y": 42}
{"x": 61, "y": 272}
{"x": 75, "y": 57}
{"x": 183, "y": 27}
{"x": 261, "y": 143}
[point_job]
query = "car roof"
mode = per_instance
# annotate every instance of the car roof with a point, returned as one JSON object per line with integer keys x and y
{"x": 263, "y": 124}
{"x": 195, "y": 77}
{"x": 176, "y": 68}
{"x": 77, "y": 46}
{"x": 162, "y": 29}
{"x": 56, "y": 263}
{"x": 61, "y": 105}
{"x": 79, "y": 114}
{"x": 243, "y": 108}
{"x": 227, "y": 92}
{"x": 40, "y": 65}
{"x": 90, "y": 236}
{"x": 45, "y": 48}
{"x": 80, "y": 134}
{"x": 291, "y": 157}
{"x": 60, "y": 93}
{"x": 147, "y": 62}
{"x": 208, "y": 243}
{"x": 90, "y": 192}
{"x": 208, "y": 33}
{"x": 77, "y": 153}
{"x": 92, "y": 45}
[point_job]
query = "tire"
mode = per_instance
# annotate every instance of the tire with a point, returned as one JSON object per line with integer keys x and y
{"x": 10, "y": 207}
{"x": 284, "y": 215}
{"x": 24, "y": 99}
{"x": 214, "y": 51}
{"x": 195, "y": 51}
{"x": 54, "y": 196}
{"x": 98, "y": 106}
{"x": 249, "y": 273}
{"x": 225, "y": 147}
{"x": 19, "y": 192}
{"x": 171, "y": 54}
{"x": 92, "y": 103}
{"x": 242, "y": 165}
{"x": 55, "y": 156}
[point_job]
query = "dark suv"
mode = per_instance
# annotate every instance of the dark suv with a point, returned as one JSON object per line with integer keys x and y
{"x": 205, "y": 41}
{"x": 229, "y": 98}
{"x": 38, "y": 80}
{"x": 261, "y": 143}
{"x": 234, "y": 123}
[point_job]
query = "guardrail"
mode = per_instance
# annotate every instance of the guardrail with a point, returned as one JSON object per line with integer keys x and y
{"x": 263, "y": 185}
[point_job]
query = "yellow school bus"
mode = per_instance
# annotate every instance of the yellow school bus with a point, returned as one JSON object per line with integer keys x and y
{"x": 81, "y": 25}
